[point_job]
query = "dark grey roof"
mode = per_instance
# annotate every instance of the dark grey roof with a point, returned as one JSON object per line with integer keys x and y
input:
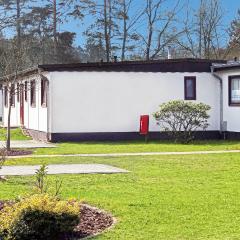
{"x": 167, "y": 65}
{"x": 226, "y": 66}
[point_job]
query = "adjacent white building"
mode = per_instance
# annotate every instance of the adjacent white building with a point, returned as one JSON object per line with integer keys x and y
{"x": 104, "y": 101}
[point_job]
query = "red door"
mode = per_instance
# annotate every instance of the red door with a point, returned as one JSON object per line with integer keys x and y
{"x": 21, "y": 105}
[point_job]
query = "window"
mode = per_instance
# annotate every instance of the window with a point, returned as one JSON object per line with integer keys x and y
{"x": 33, "y": 93}
{"x": 190, "y": 88}
{"x": 12, "y": 95}
{"x": 44, "y": 92}
{"x": 26, "y": 91}
{"x": 234, "y": 91}
{"x": 5, "y": 97}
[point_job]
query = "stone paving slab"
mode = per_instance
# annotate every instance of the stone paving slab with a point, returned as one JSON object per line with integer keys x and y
{"x": 28, "y": 144}
{"x": 53, "y": 169}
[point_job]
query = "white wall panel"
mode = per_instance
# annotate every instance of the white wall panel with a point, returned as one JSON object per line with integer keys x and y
{"x": 114, "y": 101}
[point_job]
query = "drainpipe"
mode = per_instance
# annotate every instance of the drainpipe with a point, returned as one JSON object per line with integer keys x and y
{"x": 48, "y": 112}
{"x": 221, "y": 96}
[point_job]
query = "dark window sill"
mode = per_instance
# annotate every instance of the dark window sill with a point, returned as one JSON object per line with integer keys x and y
{"x": 234, "y": 104}
{"x": 190, "y": 99}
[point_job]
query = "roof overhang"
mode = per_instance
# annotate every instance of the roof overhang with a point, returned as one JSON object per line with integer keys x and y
{"x": 226, "y": 66}
{"x": 21, "y": 74}
{"x": 166, "y": 65}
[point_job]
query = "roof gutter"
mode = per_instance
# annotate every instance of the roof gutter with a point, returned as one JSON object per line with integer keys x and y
{"x": 221, "y": 96}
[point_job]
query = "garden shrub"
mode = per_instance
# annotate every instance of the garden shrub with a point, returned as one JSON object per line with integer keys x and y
{"x": 38, "y": 217}
{"x": 181, "y": 119}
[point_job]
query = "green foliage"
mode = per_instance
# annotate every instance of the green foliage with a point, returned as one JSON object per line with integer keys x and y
{"x": 38, "y": 217}
{"x": 40, "y": 177}
{"x": 41, "y": 182}
{"x": 182, "y": 119}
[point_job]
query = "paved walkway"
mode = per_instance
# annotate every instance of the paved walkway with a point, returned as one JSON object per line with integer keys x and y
{"x": 28, "y": 144}
{"x": 127, "y": 154}
{"x": 61, "y": 169}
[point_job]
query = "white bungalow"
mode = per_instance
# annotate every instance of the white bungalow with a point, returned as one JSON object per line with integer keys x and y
{"x": 104, "y": 101}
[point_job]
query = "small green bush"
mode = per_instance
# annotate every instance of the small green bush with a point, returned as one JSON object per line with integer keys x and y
{"x": 182, "y": 119}
{"x": 38, "y": 217}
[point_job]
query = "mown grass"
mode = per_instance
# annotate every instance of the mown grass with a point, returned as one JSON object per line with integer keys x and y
{"x": 138, "y": 146}
{"x": 163, "y": 197}
{"x": 16, "y": 134}
{"x": 125, "y": 146}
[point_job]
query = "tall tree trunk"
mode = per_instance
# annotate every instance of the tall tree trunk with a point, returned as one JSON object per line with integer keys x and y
{"x": 8, "y": 142}
{"x": 124, "y": 30}
{"x": 106, "y": 24}
{"x": 149, "y": 10}
{"x": 18, "y": 24}
{"x": 55, "y": 29}
{"x": 200, "y": 29}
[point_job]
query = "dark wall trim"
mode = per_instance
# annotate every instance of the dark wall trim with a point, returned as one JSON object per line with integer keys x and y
{"x": 230, "y": 103}
{"x": 124, "y": 136}
{"x": 166, "y": 65}
{"x": 233, "y": 135}
{"x": 192, "y": 78}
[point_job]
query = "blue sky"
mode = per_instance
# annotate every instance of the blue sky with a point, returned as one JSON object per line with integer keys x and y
{"x": 230, "y": 8}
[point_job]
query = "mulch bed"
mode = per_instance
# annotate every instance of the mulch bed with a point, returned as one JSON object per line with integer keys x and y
{"x": 92, "y": 222}
{"x": 15, "y": 152}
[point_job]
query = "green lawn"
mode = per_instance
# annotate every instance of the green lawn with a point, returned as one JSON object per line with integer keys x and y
{"x": 126, "y": 146}
{"x": 138, "y": 146}
{"x": 163, "y": 197}
{"x": 16, "y": 134}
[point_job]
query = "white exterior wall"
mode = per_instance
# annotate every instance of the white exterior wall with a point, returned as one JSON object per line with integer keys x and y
{"x": 231, "y": 114}
{"x": 113, "y": 101}
{"x": 35, "y": 118}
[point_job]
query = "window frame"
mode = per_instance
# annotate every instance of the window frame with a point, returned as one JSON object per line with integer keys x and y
{"x": 33, "y": 96}
{"x": 230, "y": 103}
{"x": 44, "y": 84}
{"x": 194, "y": 79}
